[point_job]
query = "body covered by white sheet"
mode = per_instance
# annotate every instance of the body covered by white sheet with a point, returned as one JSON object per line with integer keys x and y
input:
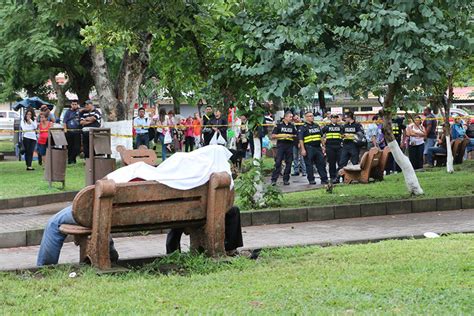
{"x": 182, "y": 171}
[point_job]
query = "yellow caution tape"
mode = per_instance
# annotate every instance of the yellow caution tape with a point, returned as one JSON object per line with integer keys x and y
{"x": 8, "y": 132}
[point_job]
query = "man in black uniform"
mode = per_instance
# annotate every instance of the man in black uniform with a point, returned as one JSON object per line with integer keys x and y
{"x": 349, "y": 147}
{"x": 398, "y": 129}
{"x": 285, "y": 133}
{"x": 332, "y": 141}
{"x": 309, "y": 137}
{"x": 219, "y": 125}
{"x": 207, "y": 132}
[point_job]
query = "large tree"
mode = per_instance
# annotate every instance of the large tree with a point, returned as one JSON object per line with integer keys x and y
{"x": 401, "y": 45}
{"x": 34, "y": 50}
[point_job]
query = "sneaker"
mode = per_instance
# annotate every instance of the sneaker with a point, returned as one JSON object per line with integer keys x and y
{"x": 312, "y": 182}
{"x": 303, "y": 175}
{"x": 295, "y": 174}
{"x": 274, "y": 183}
{"x": 30, "y": 169}
{"x": 324, "y": 182}
{"x": 286, "y": 182}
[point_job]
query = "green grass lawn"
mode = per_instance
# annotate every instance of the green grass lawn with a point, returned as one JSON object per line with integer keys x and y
{"x": 6, "y": 145}
{"x": 17, "y": 182}
{"x": 435, "y": 182}
{"x": 429, "y": 276}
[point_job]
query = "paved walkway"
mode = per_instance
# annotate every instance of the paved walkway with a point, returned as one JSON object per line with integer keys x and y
{"x": 29, "y": 218}
{"x": 309, "y": 233}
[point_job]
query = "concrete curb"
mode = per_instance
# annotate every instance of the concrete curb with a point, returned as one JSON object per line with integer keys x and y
{"x": 321, "y": 213}
{"x": 36, "y": 200}
{"x": 284, "y": 216}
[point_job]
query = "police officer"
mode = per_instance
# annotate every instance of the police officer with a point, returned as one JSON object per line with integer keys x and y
{"x": 207, "y": 132}
{"x": 332, "y": 141}
{"x": 398, "y": 129}
{"x": 309, "y": 137}
{"x": 285, "y": 133}
{"x": 349, "y": 147}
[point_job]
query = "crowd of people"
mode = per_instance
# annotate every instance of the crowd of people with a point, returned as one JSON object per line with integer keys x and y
{"x": 76, "y": 123}
{"x": 309, "y": 146}
{"x": 314, "y": 143}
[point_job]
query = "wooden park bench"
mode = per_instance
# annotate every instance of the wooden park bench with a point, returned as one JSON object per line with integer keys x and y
{"x": 379, "y": 169}
{"x": 130, "y": 156}
{"x": 107, "y": 207}
{"x": 361, "y": 172}
{"x": 439, "y": 159}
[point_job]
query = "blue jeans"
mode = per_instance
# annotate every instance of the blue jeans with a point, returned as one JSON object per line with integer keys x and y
{"x": 53, "y": 239}
{"x": 142, "y": 139}
{"x": 161, "y": 136}
{"x": 429, "y": 142}
{"x": 432, "y": 151}
{"x": 470, "y": 146}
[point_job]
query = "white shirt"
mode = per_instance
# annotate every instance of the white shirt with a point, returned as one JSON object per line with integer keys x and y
{"x": 29, "y": 130}
{"x": 141, "y": 125}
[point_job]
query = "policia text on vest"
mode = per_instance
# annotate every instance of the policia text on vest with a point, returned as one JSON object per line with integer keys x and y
{"x": 333, "y": 138}
{"x": 309, "y": 137}
{"x": 285, "y": 133}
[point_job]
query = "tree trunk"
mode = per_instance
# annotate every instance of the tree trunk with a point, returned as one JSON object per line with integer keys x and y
{"x": 257, "y": 155}
{"x": 107, "y": 98}
{"x": 322, "y": 100}
{"x": 409, "y": 174}
{"x": 131, "y": 76}
{"x": 60, "y": 94}
{"x": 176, "y": 101}
{"x": 447, "y": 127}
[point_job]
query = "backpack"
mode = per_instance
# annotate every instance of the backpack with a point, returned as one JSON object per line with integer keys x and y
{"x": 73, "y": 123}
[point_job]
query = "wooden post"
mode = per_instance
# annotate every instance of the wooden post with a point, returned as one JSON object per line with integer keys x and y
{"x": 98, "y": 251}
{"x": 217, "y": 202}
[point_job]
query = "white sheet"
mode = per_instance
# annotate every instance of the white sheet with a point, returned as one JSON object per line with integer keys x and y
{"x": 182, "y": 171}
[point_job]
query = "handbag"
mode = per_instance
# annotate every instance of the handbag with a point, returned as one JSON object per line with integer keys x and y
{"x": 217, "y": 139}
{"x": 168, "y": 139}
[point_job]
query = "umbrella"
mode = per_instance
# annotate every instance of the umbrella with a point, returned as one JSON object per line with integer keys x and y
{"x": 33, "y": 102}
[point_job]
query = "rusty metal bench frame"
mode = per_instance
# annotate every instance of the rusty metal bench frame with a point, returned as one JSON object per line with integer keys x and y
{"x": 129, "y": 156}
{"x": 361, "y": 173}
{"x": 378, "y": 172}
{"x": 108, "y": 207}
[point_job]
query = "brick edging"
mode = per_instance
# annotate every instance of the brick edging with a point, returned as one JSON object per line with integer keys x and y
{"x": 321, "y": 213}
{"x": 36, "y": 200}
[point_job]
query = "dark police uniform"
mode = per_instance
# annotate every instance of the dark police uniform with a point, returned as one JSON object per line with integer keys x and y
{"x": 349, "y": 147}
{"x": 207, "y": 132}
{"x": 284, "y": 150}
{"x": 222, "y": 123}
{"x": 397, "y": 128}
{"x": 311, "y": 135}
{"x": 333, "y": 135}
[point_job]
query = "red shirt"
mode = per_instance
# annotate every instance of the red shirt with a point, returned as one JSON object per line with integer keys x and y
{"x": 43, "y": 133}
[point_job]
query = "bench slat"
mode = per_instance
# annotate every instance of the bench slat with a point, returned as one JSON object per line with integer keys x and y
{"x": 151, "y": 213}
{"x": 135, "y": 192}
{"x": 143, "y": 191}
